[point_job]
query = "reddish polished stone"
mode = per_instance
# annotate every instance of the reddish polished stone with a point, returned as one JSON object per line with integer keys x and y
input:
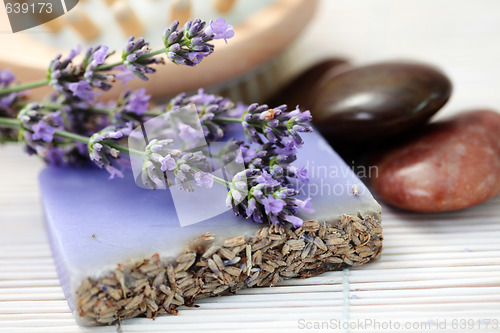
{"x": 450, "y": 165}
{"x": 378, "y": 101}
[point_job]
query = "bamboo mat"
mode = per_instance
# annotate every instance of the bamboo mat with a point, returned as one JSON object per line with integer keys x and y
{"x": 437, "y": 273}
{"x": 435, "y": 270}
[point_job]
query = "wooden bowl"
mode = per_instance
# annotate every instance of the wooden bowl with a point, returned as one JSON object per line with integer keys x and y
{"x": 258, "y": 39}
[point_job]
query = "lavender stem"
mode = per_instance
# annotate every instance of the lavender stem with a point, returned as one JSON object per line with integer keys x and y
{"x": 9, "y": 122}
{"x": 14, "y": 123}
{"x": 24, "y": 86}
{"x": 118, "y": 63}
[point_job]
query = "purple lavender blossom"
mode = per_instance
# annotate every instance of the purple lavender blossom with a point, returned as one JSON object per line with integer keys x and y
{"x": 61, "y": 71}
{"x": 83, "y": 90}
{"x": 272, "y": 205}
{"x": 210, "y": 107}
{"x": 305, "y": 205}
{"x": 163, "y": 163}
{"x": 101, "y": 153}
{"x": 268, "y": 199}
{"x": 6, "y": 78}
{"x": 188, "y": 134}
{"x": 299, "y": 173}
{"x": 294, "y": 220}
{"x": 38, "y": 134}
{"x": 113, "y": 172}
{"x": 66, "y": 77}
{"x": 100, "y": 54}
{"x": 190, "y": 45}
{"x": 219, "y": 29}
{"x": 8, "y": 103}
{"x": 275, "y": 124}
{"x": 135, "y": 58}
{"x": 42, "y": 131}
{"x": 124, "y": 74}
{"x": 134, "y": 102}
{"x": 94, "y": 57}
{"x": 168, "y": 163}
{"x": 204, "y": 179}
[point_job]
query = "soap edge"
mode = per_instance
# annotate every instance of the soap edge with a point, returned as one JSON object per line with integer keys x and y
{"x": 100, "y": 308}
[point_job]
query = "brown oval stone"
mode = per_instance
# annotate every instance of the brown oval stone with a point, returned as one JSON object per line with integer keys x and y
{"x": 380, "y": 100}
{"x": 451, "y": 165}
{"x": 300, "y": 90}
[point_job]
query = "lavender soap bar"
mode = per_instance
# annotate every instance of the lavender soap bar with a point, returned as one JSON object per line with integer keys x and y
{"x": 121, "y": 251}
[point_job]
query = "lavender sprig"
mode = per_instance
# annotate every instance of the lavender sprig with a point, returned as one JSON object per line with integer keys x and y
{"x": 38, "y": 128}
{"x": 76, "y": 124}
{"x": 259, "y": 121}
{"x": 137, "y": 59}
{"x": 209, "y": 107}
{"x": 190, "y": 45}
{"x": 185, "y": 47}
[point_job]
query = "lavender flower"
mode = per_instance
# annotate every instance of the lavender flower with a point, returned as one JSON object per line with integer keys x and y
{"x": 124, "y": 74}
{"x": 101, "y": 151}
{"x": 219, "y": 29}
{"x": 94, "y": 57}
{"x": 275, "y": 124}
{"x": 62, "y": 71}
{"x": 75, "y": 83}
{"x": 82, "y": 90}
{"x": 39, "y": 121}
{"x": 135, "y": 58}
{"x": 209, "y": 107}
{"x": 204, "y": 179}
{"x": 133, "y": 102}
{"x": 268, "y": 199}
{"x": 42, "y": 131}
{"x": 6, "y": 78}
{"x": 38, "y": 129}
{"x": 164, "y": 163}
{"x": 189, "y": 46}
{"x": 8, "y": 103}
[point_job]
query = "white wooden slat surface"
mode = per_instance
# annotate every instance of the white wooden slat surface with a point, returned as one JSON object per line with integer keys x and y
{"x": 434, "y": 267}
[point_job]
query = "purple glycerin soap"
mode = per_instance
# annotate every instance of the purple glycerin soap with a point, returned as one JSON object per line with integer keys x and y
{"x": 122, "y": 251}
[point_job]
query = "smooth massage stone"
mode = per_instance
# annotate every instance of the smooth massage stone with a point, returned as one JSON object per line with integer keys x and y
{"x": 379, "y": 101}
{"x": 301, "y": 89}
{"x": 451, "y": 165}
{"x": 121, "y": 252}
